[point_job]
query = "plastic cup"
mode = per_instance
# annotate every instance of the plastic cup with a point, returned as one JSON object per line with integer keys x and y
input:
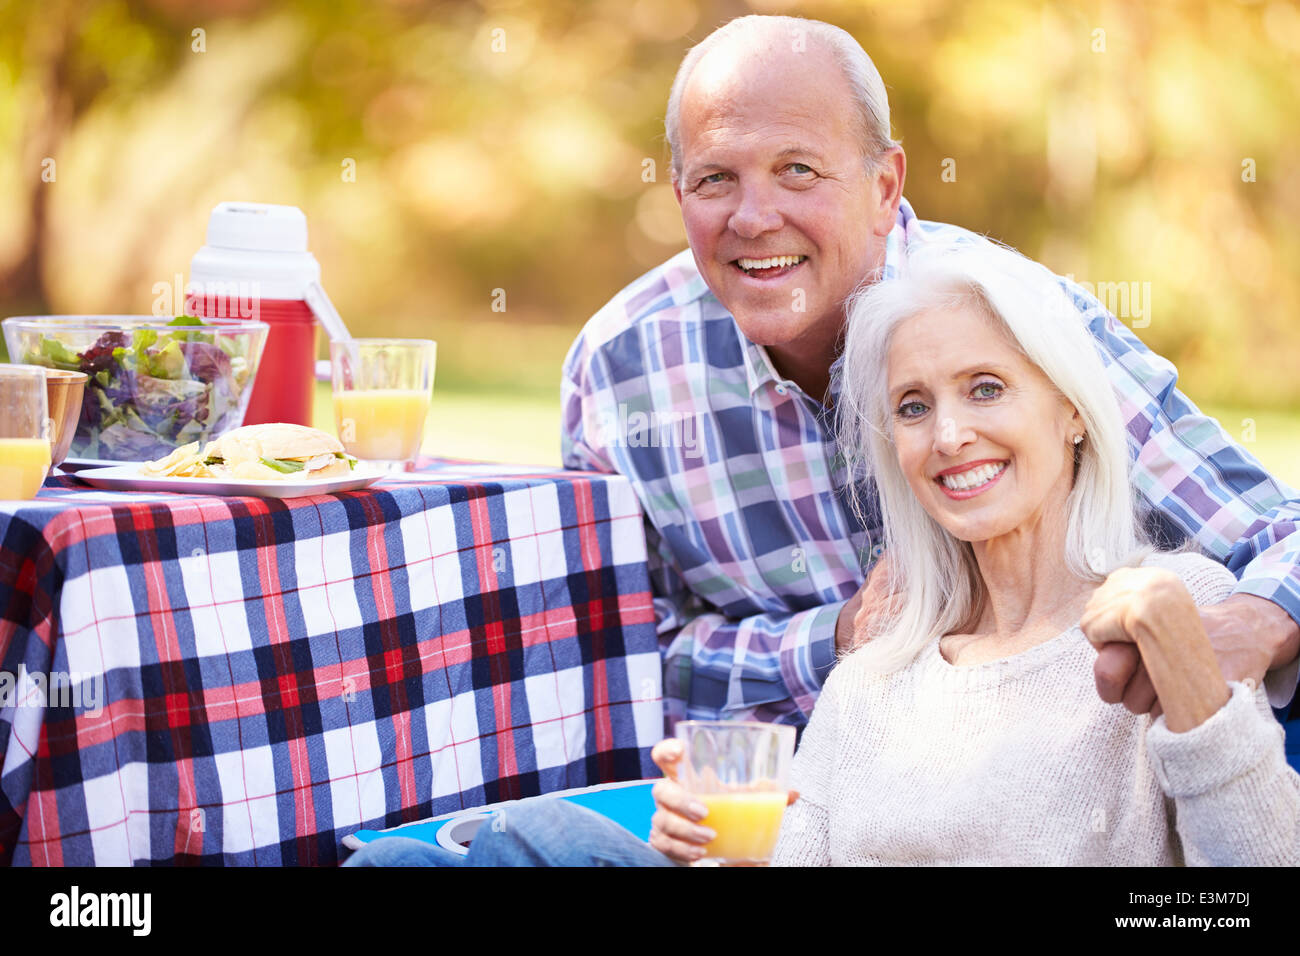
{"x": 382, "y": 389}
{"x": 740, "y": 771}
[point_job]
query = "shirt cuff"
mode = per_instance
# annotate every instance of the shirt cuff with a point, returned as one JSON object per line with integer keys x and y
{"x": 1280, "y": 684}
{"x": 1232, "y": 742}
{"x": 808, "y": 653}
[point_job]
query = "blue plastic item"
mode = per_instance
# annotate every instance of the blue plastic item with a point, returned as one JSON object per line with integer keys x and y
{"x": 628, "y": 804}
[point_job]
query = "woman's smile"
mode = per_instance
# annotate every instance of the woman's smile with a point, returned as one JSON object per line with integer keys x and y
{"x": 974, "y": 478}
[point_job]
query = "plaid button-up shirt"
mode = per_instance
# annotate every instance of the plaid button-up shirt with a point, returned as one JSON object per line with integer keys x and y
{"x": 753, "y": 547}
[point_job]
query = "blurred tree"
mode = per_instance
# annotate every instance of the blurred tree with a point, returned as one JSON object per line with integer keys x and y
{"x": 61, "y": 57}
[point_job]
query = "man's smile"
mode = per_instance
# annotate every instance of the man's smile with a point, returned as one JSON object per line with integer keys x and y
{"x": 769, "y": 268}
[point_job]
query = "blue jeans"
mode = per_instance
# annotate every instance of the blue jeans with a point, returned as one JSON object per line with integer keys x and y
{"x": 541, "y": 831}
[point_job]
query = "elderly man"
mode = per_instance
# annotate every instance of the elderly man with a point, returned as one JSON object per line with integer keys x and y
{"x": 722, "y": 363}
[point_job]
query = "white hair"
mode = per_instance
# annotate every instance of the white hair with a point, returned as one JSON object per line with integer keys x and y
{"x": 864, "y": 79}
{"x": 936, "y": 573}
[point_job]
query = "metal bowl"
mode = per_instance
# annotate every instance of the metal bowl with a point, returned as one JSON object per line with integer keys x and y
{"x": 63, "y": 392}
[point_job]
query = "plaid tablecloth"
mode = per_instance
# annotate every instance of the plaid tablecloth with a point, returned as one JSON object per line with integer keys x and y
{"x": 189, "y": 679}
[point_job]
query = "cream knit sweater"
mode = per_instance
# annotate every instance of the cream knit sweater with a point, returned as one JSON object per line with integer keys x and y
{"x": 1018, "y": 761}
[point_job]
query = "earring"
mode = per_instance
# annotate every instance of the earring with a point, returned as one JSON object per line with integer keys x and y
{"x": 1078, "y": 439}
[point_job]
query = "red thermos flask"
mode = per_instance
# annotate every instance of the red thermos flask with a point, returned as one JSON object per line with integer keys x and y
{"x": 255, "y": 265}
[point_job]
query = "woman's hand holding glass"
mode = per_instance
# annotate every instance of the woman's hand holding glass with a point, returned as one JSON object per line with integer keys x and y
{"x": 675, "y": 829}
{"x": 679, "y": 828}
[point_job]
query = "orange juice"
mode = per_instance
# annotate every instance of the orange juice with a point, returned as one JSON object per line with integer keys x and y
{"x": 747, "y": 823}
{"x": 24, "y": 463}
{"x": 382, "y": 424}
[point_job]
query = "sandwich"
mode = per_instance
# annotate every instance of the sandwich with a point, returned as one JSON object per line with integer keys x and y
{"x": 276, "y": 451}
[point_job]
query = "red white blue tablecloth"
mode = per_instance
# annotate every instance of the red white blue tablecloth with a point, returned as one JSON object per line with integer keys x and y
{"x": 189, "y": 679}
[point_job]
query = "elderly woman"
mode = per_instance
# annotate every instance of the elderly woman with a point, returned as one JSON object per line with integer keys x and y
{"x": 967, "y": 728}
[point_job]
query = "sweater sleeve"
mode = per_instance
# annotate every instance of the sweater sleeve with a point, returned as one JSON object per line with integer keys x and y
{"x": 805, "y": 829}
{"x": 1237, "y": 800}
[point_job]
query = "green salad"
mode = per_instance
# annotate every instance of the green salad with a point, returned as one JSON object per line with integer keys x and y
{"x": 150, "y": 390}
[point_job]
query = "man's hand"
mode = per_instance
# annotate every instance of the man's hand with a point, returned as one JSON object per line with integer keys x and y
{"x": 1250, "y": 636}
{"x": 860, "y": 610}
{"x": 846, "y": 623}
{"x": 675, "y": 829}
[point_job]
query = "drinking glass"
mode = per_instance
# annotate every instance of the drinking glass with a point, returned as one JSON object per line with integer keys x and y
{"x": 25, "y": 431}
{"x": 382, "y": 389}
{"x": 740, "y": 770}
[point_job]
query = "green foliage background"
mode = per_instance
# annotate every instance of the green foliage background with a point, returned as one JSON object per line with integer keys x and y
{"x": 1115, "y": 142}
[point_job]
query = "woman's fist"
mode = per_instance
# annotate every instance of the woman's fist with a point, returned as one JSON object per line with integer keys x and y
{"x": 1151, "y": 610}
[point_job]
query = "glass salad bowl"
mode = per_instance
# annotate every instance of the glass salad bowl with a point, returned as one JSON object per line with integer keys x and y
{"x": 154, "y": 384}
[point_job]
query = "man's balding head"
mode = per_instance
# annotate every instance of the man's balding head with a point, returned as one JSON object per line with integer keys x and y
{"x": 748, "y": 43}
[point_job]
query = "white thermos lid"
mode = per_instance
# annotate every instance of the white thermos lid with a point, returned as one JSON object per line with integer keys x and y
{"x": 259, "y": 246}
{"x": 254, "y": 225}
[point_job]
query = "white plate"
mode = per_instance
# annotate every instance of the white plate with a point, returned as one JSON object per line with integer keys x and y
{"x": 128, "y": 478}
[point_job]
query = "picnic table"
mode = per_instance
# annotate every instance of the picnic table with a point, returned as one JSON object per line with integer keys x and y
{"x": 198, "y": 680}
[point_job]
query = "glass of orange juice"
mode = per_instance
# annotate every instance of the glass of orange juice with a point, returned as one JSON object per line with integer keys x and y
{"x": 740, "y": 770}
{"x": 382, "y": 389}
{"x": 24, "y": 431}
